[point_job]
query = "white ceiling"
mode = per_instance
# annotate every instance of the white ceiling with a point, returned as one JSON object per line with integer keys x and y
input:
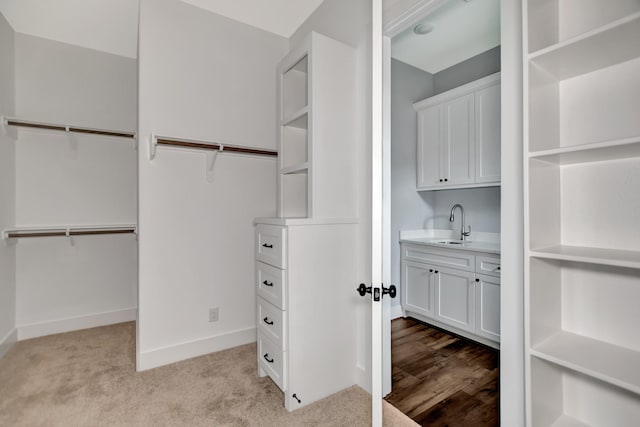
{"x": 281, "y": 17}
{"x": 112, "y": 25}
{"x": 462, "y": 29}
{"x": 106, "y": 25}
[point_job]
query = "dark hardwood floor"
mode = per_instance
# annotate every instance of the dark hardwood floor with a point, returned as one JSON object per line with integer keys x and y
{"x": 440, "y": 379}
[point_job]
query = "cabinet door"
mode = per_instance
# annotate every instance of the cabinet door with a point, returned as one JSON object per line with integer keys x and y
{"x": 429, "y": 147}
{"x": 488, "y": 307}
{"x": 459, "y": 156}
{"x": 487, "y": 120}
{"x": 417, "y": 288}
{"x": 455, "y": 298}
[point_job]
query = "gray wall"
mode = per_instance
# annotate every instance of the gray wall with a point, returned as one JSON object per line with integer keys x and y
{"x": 67, "y": 84}
{"x": 410, "y": 209}
{"x": 7, "y": 188}
{"x": 467, "y": 71}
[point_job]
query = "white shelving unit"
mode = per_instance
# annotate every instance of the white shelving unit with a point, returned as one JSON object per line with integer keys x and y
{"x": 582, "y": 205}
{"x": 316, "y": 133}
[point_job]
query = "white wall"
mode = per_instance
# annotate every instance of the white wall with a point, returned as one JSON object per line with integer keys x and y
{"x": 350, "y": 23}
{"x": 481, "y": 208}
{"x": 410, "y": 209}
{"x": 214, "y": 79}
{"x": 72, "y": 180}
{"x": 7, "y": 190}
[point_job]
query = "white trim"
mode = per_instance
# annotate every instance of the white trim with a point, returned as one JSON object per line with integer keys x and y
{"x": 8, "y": 341}
{"x": 165, "y": 355}
{"x": 58, "y": 326}
{"x": 409, "y": 16}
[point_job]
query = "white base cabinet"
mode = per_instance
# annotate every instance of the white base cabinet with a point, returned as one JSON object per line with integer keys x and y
{"x": 453, "y": 289}
{"x": 306, "y": 305}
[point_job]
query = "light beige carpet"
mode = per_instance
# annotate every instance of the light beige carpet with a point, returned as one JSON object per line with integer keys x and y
{"x": 88, "y": 378}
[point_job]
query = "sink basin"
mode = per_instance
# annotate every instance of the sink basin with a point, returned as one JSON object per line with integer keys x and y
{"x": 453, "y": 242}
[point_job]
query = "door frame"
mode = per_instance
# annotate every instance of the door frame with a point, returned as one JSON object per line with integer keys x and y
{"x": 512, "y": 382}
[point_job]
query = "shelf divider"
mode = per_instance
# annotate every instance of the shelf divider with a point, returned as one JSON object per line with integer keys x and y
{"x": 605, "y": 46}
{"x": 598, "y": 359}
{"x": 297, "y": 168}
{"x": 298, "y": 119}
{"x": 601, "y": 256}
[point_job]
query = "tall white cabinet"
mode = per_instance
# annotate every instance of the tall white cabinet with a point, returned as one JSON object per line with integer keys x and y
{"x": 305, "y": 259}
{"x": 582, "y": 211}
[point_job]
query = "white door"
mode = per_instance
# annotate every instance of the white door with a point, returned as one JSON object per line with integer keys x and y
{"x": 459, "y": 158}
{"x": 429, "y": 147}
{"x": 487, "y": 113}
{"x": 488, "y": 307}
{"x": 455, "y": 298}
{"x": 417, "y": 290}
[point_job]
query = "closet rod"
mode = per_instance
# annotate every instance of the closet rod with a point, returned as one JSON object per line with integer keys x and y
{"x": 64, "y": 128}
{"x": 202, "y": 145}
{"x": 14, "y": 234}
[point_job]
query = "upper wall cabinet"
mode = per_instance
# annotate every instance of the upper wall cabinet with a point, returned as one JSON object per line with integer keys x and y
{"x": 459, "y": 137}
{"x": 316, "y": 130}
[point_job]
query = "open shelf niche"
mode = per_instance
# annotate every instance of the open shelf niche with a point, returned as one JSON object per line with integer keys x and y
{"x": 582, "y": 235}
{"x": 316, "y": 113}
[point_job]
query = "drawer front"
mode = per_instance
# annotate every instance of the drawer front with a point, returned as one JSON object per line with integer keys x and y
{"x": 272, "y": 323}
{"x": 272, "y": 361}
{"x": 271, "y": 245}
{"x": 488, "y": 265}
{"x": 444, "y": 257}
{"x": 271, "y": 284}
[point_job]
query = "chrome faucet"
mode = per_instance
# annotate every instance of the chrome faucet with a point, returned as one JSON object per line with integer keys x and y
{"x": 463, "y": 234}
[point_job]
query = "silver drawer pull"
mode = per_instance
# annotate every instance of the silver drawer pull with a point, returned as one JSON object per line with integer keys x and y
{"x": 266, "y": 357}
{"x": 267, "y": 321}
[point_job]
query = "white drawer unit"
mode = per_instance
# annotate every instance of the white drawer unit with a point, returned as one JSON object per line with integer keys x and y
{"x": 453, "y": 289}
{"x": 271, "y": 323}
{"x": 305, "y": 312}
{"x": 489, "y": 265}
{"x": 273, "y": 361}
{"x": 272, "y": 284}
{"x": 271, "y": 245}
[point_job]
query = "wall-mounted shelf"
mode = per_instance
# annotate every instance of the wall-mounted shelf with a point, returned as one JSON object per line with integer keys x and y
{"x": 608, "y": 45}
{"x": 601, "y": 360}
{"x": 164, "y": 141}
{"x": 299, "y": 119}
{"x": 299, "y": 168}
{"x": 7, "y": 121}
{"x": 596, "y": 152}
{"x": 601, "y": 256}
{"x": 68, "y": 231}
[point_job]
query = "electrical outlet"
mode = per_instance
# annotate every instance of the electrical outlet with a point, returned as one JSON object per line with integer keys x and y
{"x": 213, "y": 314}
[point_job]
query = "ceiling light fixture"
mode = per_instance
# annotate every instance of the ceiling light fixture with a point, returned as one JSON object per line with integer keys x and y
{"x": 422, "y": 29}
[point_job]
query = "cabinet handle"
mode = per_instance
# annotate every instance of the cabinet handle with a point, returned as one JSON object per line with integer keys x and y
{"x": 436, "y": 271}
{"x": 264, "y": 245}
{"x": 267, "y": 283}
{"x": 497, "y": 268}
{"x": 431, "y": 270}
{"x": 266, "y": 357}
{"x": 440, "y": 180}
{"x": 477, "y": 280}
{"x": 445, "y": 180}
{"x": 266, "y": 320}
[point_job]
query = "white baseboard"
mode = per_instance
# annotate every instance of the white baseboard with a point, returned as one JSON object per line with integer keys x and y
{"x": 59, "y": 326}
{"x": 8, "y": 341}
{"x": 175, "y": 353}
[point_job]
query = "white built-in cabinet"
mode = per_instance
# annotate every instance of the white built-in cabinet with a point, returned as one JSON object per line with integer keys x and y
{"x": 582, "y": 211}
{"x": 452, "y": 289}
{"x": 458, "y": 142}
{"x": 305, "y": 269}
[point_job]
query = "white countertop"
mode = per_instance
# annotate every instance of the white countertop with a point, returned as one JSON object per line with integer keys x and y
{"x": 477, "y": 242}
